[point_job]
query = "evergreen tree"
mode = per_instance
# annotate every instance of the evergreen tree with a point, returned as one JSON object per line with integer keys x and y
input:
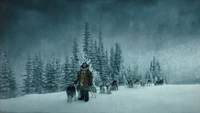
{"x": 91, "y": 51}
{"x": 67, "y": 73}
{"x": 86, "y": 41}
{"x": 135, "y": 72}
{"x": 147, "y": 75}
{"x": 74, "y": 67}
{"x": 122, "y": 76}
{"x": 107, "y": 67}
{"x": 50, "y": 78}
{"x": 7, "y": 80}
{"x": 158, "y": 69}
{"x": 75, "y": 52}
{"x": 28, "y": 80}
{"x": 93, "y": 54}
{"x": 12, "y": 84}
{"x": 58, "y": 75}
{"x": 73, "y": 71}
{"x": 155, "y": 69}
{"x": 96, "y": 57}
{"x": 38, "y": 79}
{"x": 117, "y": 60}
{"x": 103, "y": 68}
{"x": 112, "y": 66}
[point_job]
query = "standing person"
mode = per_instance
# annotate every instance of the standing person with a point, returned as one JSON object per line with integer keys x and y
{"x": 84, "y": 79}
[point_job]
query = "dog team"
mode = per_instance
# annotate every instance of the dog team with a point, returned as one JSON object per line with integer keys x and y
{"x": 83, "y": 85}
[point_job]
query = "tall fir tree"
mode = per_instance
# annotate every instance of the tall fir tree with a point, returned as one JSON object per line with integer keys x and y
{"x": 96, "y": 57}
{"x": 135, "y": 72}
{"x": 155, "y": 69}
{"x": 50, "y": 78}
{"x": 8, "y": 86}
{"x": 58, "y": 76}
{"x": 102, "y": 64}
{"x": 86, "y": 41}
{"x": 28, "y": 77}
{"x": 73, "y": 72}
{"x": 74, "y": 67}
{"x": 75, "y": 51}
{"x": 117, "y": 61}
{"x": 112, "y": 66}
{"x": 107, "y": 67}
{"x": 38, "y": 69}
{"x": 13, "y": 83}
{"x": 148, "y": 75}
{"x": 67, "y": 72}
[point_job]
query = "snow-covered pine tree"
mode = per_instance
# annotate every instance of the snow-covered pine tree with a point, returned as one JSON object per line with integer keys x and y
{"x": 123, "y": 79}
{"x": 135, "y": 72}
{"x": 7, "y": 80}
{"x": 13, "y": 84}
{"x": 67, "y": 72}
{"x": 28, "y": 77}
{"x": 96, "y": 64}
{"x": 106, "y": 68}
{"x": 158, "y": 69}
{"x": 96, "y": 57}
{"x": 147, "y": 75}
{"x": 117, "y": 60}
{"x": 38, "y": 69}
{"x": 73, "y": 72}
{"x": 4, "y": 78}
{"x": 58, "y": 76}
{"x": 50, "y": 78}
{"x": 128, "y": 73}
{"x": 91, "y": 55}
{"x": 153, "y": 69}
{"x": 112, "y": 66}
{"x": 74, "y": 67}
{"x": 159, "y": 72}
{"x": 102, "y": 64}
{"x": 86, "y": 41}
{"x": 75, "y": 51}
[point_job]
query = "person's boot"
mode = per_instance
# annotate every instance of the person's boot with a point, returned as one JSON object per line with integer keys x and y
{"x": 86, "y": 99}
{"x": 82, "y": 96}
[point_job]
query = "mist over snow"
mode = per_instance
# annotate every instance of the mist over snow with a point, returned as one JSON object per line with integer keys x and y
{"x": 168, "y": 30}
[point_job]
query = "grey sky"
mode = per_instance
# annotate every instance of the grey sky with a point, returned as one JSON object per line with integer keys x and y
{"x": 141, "y": 26}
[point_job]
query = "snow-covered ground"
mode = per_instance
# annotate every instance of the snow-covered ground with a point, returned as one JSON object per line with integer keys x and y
{"x": 155, "y": 99}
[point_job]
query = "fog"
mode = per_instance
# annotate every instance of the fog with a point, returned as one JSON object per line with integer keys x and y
{"x": 144, "y": 28}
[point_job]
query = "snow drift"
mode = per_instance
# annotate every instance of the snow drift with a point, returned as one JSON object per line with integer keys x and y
{"x": 155, "y": 99}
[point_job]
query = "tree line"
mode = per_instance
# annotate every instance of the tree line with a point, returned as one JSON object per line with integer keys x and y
{"x": 54, "y": 76}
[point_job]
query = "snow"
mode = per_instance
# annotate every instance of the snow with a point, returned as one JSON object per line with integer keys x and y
{"x": 154, "y": 99}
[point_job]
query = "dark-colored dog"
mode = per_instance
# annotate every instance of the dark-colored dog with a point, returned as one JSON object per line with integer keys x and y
{"x": 71, "y": 93}
{"x": 114, "y": 85}
{"x": 130, "y": 84}
{"x": 148, "y": 83}
{"x": 137, "y": 83}
{"x": 159, "y": 82}
{"x": 108, "y": 89}
{"x": 102, "y": 89}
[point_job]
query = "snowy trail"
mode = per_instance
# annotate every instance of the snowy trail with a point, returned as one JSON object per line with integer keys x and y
{"x": 155, "y": 99}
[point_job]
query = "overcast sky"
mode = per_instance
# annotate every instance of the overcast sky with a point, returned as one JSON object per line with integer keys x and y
{"x": 140, "y": 26}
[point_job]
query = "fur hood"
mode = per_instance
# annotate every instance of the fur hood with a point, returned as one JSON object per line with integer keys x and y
{"x": 86, "y": 68}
